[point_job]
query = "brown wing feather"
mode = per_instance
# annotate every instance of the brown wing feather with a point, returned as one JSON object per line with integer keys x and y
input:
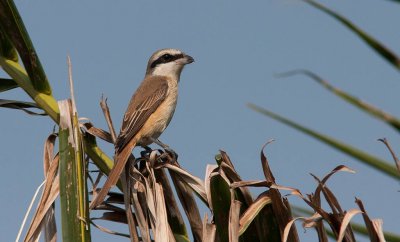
{"x": 144, "y": 102}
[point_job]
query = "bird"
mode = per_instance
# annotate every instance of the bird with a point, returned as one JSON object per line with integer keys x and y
{"x": 149, "y": 111}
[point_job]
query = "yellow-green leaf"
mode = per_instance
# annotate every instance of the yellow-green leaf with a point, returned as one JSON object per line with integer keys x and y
{"x": 362, "y": 156}
{"x": 366, "y": 107}
{"x": 382, "y": 50}
{"x": 14, "y": 29}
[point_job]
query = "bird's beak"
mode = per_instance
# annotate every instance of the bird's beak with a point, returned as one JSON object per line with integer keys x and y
{"x": 187, "y": 59}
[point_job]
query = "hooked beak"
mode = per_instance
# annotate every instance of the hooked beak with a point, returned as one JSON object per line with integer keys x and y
{"x": 188, "y": 59}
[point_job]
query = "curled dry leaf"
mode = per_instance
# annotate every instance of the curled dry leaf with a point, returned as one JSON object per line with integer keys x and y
{"x": 337, "y": 169}
{"x": 377, "y": 223}
{"x": 175, "y": 218}
{"x": 162, "y": 230}
{"x": 259, "y": 183}
{"x": 264, "y": 162}
{"x": 107, "y": 116}
{"x": 345, "y": 222}
{"x": 307, "y": 223}
{"x": 394, "y": 156}
{"x": 99, "y": 133}
{"x": 188, "y": 203}
{"x": 310, "y": 222}
{"x": 373, "y": 233}
{"x": 195, "y": 183}
{"x": 250, "y": 214}
{"x": 288, "y": 227}
{"x": 209, "y": 230}
{"x": 50, "y": 193}
{"x": 209, "y": 170}
{"x": 234, "y": 213}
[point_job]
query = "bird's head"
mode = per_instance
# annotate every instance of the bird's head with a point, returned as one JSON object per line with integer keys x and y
{"x": 168, "y": 62}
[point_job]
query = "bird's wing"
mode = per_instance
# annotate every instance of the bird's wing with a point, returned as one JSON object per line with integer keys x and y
{"x": 147, "y": 98}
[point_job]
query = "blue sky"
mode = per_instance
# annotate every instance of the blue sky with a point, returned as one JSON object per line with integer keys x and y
{"x": 238, "y": 47}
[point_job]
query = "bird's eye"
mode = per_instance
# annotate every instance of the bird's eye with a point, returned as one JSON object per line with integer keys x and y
{"x": 167, "y": 57}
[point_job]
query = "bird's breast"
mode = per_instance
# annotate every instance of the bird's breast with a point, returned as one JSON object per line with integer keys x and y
{"x": 160, "y": 119}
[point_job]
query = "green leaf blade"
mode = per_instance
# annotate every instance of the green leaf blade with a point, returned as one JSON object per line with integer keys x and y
{"x": 221, "y": 200}
{"x": 7, "y": 84}
{"x": 73, "y": 188}
{"x": 379, "y": 48}
{"x": 387, "y": 118}
{"x": 7, "y": 48}
{"x": 360, "y": 155}
{"x": 13, "y": 26}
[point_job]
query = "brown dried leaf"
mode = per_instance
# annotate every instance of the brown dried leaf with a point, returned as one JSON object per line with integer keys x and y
{"x": 195, "y": 183}
{"x": 225, "y": 158}
{"x": 282, "y": 213}
{"x": 234, "y": 213}
{"x": 264, "y": 162}
{"x": 285, "y": 188}
{"x": 100, "y": 133}
{"x": 377, "y": 223}
{"x": 188, "y": 203}
{"x": 139, "y": 202}
{"x": 325, "y": 179}
{"x": 106, "y": 112}
{"x": 162, "y": 230}
{"x": 209, "y": 230}
{"x": 307, "y": 223}
{"x": 233, "y": 176}
{"x": 127, "y": 202}
{"x": 373, "y": 234}
{"x": 49, "y": 194}
{"x": 49, "y": 226}
{"x": 332, "y": 200}
{"x": 175, "y": 218}
{"x": 345, "y": 222}
{"x": 45, "y": 206}
{"x": 395, "y": 158}
{"x": 288, "y": 227}
{"x": 329, "y": 196}
{"x": 337, "y": 169}
{"x": 138, "y": 195}
{"x": 259, "y": 183}
{"x": 250, "y": 214}
{"x": 312, "y": 221}
{"x": 48, "y": 152}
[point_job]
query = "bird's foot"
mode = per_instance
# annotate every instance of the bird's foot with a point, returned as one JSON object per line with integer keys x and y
{"x": 168, "y": 155}
{"x": 146, "y": 152}
{"x": 172, "y": 154}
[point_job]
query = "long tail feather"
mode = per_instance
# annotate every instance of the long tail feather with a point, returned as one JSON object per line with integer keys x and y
{"x": 121, "y": 159}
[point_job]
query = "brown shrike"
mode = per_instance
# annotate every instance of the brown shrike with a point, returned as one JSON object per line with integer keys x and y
{"x": 149, "y": 111}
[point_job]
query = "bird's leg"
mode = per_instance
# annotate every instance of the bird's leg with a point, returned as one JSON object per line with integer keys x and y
{"x": 147, "y": 150}
{"x": 167, "y": 149}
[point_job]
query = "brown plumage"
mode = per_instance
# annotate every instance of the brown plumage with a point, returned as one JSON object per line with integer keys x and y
{"x": 139, "y": 111}
{"x": 149, "y": 111}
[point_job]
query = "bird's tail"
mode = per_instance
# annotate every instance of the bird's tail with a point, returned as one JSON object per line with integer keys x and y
{"x": 120, "y": 160}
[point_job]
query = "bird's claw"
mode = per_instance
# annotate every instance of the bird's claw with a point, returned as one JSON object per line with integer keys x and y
{"x": 172, "y": 154}
{"x": 146, "y": 152}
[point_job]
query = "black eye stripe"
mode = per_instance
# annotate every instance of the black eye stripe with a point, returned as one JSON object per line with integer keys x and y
{"x": 162, "y": 59}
